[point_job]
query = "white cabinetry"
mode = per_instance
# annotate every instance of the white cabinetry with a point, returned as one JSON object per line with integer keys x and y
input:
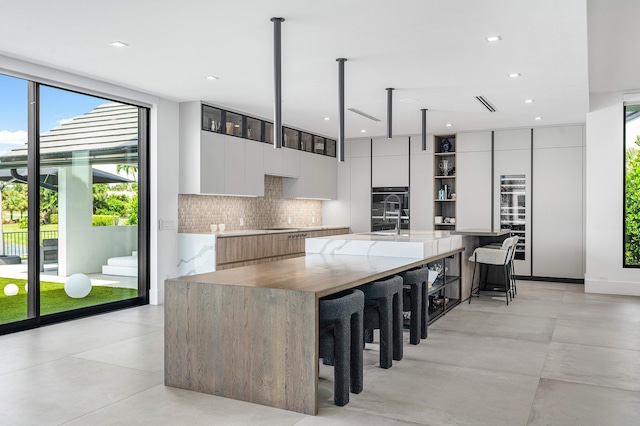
{"x": 420, "y": 188}
{"x": 281, "y": 162}
{"x": 512, "y": 156}
{"x": 360, "y": 219}
{"x": 390, "y": 162}
{"x": 317, "y": 178}
{"x": 558, "y": 221}
{"x": 473, "y": 180}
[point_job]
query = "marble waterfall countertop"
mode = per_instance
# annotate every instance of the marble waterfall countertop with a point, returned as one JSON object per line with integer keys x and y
{"x": 414, "y": 244}
{"x": 197, "y": 251}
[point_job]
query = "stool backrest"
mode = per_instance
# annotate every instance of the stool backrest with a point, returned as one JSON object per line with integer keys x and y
{"x": 341, "y": 307}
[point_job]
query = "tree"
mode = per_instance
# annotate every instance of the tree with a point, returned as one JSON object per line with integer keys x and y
{"x": 128, "y": 170}
{"x": 14, "y": 198}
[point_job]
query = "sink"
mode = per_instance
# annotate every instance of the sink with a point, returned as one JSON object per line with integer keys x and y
{"x": 278, "y": 229}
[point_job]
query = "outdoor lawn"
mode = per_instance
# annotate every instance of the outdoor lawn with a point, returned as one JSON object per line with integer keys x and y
{"x": 54, "y": 299}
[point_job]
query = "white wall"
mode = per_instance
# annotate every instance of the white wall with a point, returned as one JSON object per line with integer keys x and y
{"x": 164, "y": 169}
{"x": 604, "y": 198}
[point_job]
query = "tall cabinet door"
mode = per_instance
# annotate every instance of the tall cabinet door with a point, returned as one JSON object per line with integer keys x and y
{"x": 558, "y": 221}
{"x": 420, "y": 186}
{"x": 360, "y": 185}
{"x": 473, "y": 180}
{"x": 512, "y": 162}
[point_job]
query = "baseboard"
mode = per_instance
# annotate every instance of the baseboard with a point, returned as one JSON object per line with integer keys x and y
{"x": 552, "y": 279}
{"x": 622, "y": 288}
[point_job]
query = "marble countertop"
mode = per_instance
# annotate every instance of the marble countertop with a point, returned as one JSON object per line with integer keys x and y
{"x": 421, "y": 244}
{"x": 482, "y": 232}
{"x": 243, "y": 232}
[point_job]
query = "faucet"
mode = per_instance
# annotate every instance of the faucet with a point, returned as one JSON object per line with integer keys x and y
{"x": 384, "y": 209}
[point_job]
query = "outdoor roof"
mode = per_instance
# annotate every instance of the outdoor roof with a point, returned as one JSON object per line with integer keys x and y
{"x": 106, "y": 134}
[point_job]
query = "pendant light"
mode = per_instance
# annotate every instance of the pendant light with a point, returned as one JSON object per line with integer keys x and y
{"x": 424, "y": 129}
{"x": 277, "y": 73}
{"x": 340, "y": 147}
{"x": 389, "y": 111}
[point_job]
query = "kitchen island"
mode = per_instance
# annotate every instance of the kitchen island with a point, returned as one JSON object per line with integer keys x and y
{"x": 251, "y": 333}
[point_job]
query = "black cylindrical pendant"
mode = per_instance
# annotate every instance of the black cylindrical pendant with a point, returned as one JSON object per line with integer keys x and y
{"x": 340, "y": 147}
{"x": 277, "y": 73}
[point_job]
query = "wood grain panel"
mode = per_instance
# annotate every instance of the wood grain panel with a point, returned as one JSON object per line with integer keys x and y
{"x": 252, "y": 344}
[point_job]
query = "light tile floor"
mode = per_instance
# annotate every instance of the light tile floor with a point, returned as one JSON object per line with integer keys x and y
{"x": 555, "y": 356}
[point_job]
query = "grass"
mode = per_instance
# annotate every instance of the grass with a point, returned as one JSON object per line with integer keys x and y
{"x": 54, "y": 299}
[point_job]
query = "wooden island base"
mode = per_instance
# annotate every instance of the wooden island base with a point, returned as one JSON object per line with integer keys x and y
{"x": 251, "y": 333}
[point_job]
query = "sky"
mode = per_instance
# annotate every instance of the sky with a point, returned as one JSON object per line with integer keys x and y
{"x": 57, "y": 106}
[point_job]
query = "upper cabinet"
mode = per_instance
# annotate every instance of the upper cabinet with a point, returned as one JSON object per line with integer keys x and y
{"x": 390, "y": 162}
{"x": 228, "y": 153}
{"x": 317, "y": 179}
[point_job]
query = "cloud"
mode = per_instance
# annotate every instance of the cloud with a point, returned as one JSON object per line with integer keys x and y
{"x": 13, "y": 138}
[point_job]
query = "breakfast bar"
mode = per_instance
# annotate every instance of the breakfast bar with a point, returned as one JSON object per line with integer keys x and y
{"x": 251, "y": 333}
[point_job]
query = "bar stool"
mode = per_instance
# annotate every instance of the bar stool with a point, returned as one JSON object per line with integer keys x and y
{"x": 491, "y": 256}
{"x": 512, "y": 270}
{"x": 383, "y": 310}
{"x": 341, "y": 318}
{"x": 415, "y": 284}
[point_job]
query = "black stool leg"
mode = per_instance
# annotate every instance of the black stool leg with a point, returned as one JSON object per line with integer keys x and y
{"x": 386, "y": 332}
{"x": 397, "y": 327}
{"x": 425, "y": 309}
{"x": 507, "y": 286}
{"x": 356, "y": 353}
{"x": 342, "y": 362}
{"x": 473, "y": 277}
{"x": 416, "y": 314}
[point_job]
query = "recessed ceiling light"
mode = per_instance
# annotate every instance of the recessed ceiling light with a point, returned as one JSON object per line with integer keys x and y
{"x": 514, "y": 75}
{"x": 119, "y": 44}
{"x": 448, "y": 124}
{"x": 528, "y": 101}
{"x": 212, "y": 77}
{"x": 327, "y": 118}
{"x": 537, "y": 118}
{"x": 363, "y": 131}
{"x": 493, "y": 38}
{"x": 236, "y": 125}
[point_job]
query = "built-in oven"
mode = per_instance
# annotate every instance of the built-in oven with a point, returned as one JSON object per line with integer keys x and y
{"x": 389, "y": 208}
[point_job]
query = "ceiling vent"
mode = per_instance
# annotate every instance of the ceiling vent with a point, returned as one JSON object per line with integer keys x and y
{"x": 370, "y": 117}
{"x": 486, "y": 103}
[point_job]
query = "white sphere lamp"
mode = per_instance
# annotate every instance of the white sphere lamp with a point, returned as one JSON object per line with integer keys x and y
{"x": 77, "y": 286}
{"x": 10, "y": 289}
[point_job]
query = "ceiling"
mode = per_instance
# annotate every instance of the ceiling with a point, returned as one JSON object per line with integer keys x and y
{"x": 433, "y": 53}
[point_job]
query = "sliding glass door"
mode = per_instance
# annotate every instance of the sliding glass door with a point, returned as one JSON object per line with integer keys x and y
{"x": 78, "y": 238}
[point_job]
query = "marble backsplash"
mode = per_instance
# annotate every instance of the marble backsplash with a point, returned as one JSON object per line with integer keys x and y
{"x": 197, "y": 212}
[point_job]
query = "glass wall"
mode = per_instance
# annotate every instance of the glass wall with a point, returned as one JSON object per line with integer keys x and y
{"x": 86, "y": 206}
{"x": 632, "y": 187}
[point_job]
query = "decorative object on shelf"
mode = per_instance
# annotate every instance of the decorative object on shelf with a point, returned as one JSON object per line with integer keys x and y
{"x": 447, "y": 220}
{"x": 221, "y": 227}
{"x": 213, "y": 228}
{"x": 445, "y": 167}
{"x": 446, "y": 145}
{"x": 441, "y": 194}
{"x": 439, "y": 268}
{"x": 215, "y": 125}
{"x": 453, "y": 196}
{"x": 438, "y": 219}
{"x": 440, "y": 301}
{"x": 452, "y": 220}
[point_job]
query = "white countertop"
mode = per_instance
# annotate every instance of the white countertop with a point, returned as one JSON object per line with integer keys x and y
{"x": 243, "y": 232}
{"x": 422, "y": 244}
